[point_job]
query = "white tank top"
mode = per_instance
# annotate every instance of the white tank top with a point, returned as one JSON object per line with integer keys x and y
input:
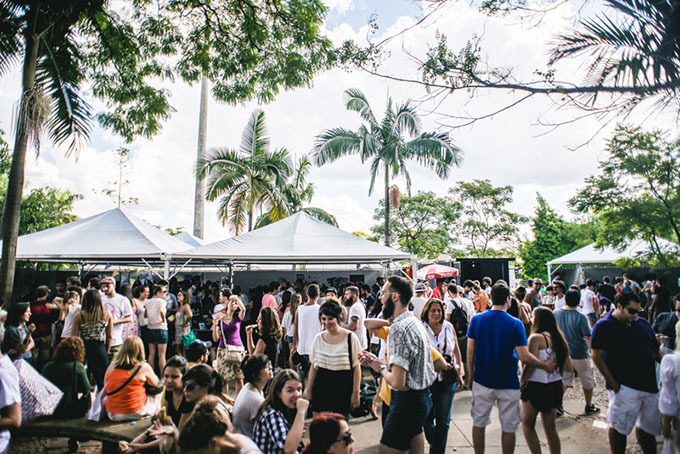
{"x": 541, "y": 376}
{"x": 308, "y": 327}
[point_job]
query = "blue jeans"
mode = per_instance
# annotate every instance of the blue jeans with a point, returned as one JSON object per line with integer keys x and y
{"x": 437, "y": 423}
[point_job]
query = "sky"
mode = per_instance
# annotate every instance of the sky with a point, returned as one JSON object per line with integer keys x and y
{"x": 510, "y": 148}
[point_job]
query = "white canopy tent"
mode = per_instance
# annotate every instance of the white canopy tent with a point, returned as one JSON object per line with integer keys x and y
{"x": 190, "y": 239}
{"x": 111, "y": 237}
{"x": 297, "y": 239}
{"x": 590, "y": 255}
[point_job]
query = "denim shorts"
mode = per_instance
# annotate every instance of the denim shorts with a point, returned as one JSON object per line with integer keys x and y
{"x": 408, "y": 411}
{"x": 157, "y": 336}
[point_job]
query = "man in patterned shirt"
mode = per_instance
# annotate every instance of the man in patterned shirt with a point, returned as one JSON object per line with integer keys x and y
{"x": 409, "y": 371}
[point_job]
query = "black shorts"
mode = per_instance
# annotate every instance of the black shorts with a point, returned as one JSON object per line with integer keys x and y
{"x": 544, "y": 397}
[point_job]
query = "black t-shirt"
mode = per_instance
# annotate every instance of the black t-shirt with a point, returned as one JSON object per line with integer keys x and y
{"x": 176, "y": 413}
{"x": 629, "y": 352}
{"x": 608, "y": 291}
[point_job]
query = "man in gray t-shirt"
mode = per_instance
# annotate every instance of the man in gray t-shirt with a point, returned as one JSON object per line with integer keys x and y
{"x": 576, "y": 329}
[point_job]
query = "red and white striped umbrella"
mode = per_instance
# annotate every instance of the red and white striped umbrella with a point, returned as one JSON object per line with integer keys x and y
{"x": 436, "y": 271}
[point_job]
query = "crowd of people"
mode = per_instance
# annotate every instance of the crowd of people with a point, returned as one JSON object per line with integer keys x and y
{"x": 293, "y": 351}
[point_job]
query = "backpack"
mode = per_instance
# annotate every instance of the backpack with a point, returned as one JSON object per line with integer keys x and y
{"x": 459, "y": 318}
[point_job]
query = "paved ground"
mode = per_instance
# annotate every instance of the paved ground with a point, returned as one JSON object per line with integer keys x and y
{"x": 579, "y": 433}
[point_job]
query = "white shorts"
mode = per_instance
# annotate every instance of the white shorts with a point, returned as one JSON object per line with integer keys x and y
{"x": 584, "y": 367}
{"x": 509, "y": 411}
{"x": 630, "y": 407}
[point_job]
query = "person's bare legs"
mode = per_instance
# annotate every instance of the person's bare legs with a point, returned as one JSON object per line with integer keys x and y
{"x": 588, "y": 394}
{"x": 238, "y": 384}
{"x": 418, "y": 444}
{"x": 382, "y": 449}
{"x": 646, "y": 441}
{"x": 529, "y": 415}
{"x": 617, "y": 442}
{"x": 508, "y": 442}
{"x": 162, "y": 349}
{"x": 152, "y": 356}
{"x": 478, "y": 439}
{"x": 548, "y": 420}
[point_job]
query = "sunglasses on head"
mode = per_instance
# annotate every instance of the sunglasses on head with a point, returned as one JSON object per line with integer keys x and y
{"x": 347, "y": 438}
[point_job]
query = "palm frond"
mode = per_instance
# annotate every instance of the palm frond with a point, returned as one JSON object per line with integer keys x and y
{"x": 641, "y": 48}
{"x": 435, "y": 151}
{"x": 221, "y": 160}
{"x": 255, "y": 136}
{"x": 58, "y": 75}
{"x": 11, "y": 39}
{"x": 356, "y": 101}
{"x": 406, "y": 120}
{"x": 334, "y": 143}
{"x": 238, "y": 211}
{"x": 375, "y": 167}
{"x": 321, "y": 215}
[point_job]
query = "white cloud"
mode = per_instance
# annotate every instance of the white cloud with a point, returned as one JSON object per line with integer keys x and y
{"x": 342, "y": 6}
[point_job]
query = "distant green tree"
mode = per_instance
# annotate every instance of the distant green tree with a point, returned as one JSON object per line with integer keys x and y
{"x": 636, "y": 193}
{"x": 486, "y": 223}
{"x": 421, "y": 225}
{"x": 553, "y": 237}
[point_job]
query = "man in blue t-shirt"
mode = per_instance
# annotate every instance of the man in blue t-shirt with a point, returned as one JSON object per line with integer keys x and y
{"x": 624, "y": 350}
{"x": 495, "y": 341}
{"x": 576, "y": 330}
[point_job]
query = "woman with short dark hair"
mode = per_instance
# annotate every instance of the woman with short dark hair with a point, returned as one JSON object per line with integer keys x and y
{"x": 257, "y": 372}
{"x": 335, "y": 373}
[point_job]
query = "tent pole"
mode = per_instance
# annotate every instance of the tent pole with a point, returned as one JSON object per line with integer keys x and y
{"x": 231, "y": 275}
{"x": 414, "y": 270}
{"x": 549, "y": 274}
{"x": 166, "y": 269}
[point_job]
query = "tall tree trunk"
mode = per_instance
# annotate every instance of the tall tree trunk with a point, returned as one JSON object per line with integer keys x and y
{"x": 199, "y": 192}
{"x": 387, "y": 205}
{"x": 15, "y": 184}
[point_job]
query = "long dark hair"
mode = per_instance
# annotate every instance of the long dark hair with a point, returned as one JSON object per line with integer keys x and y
{"x": 92, "y": 306}
{"x": 16, "y": 311}
{"x": 544, "y": 321}
{"x": 274, "y": 400}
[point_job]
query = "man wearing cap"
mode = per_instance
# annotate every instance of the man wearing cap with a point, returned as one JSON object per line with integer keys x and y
{"x": 121, "y": 312}
{"x": 418, "y": 301}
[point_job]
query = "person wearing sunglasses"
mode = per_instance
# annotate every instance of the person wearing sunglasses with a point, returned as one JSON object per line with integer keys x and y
{"x": 202, "y": 380}
{"x": 625, "y": 350}
{"x": 329, "y": 433}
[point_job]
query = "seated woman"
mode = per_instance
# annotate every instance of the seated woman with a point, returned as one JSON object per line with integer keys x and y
{"x": 67, "y": 372}
{"x": 280, "y": 421}
{"x": 329, "y": 433}
{"x": 208, "y": 430}
{"x": 202, "y": 380}
{"x": 124, "y": 383}
{"x": 174, "y": 412}
{"x": 257, "y": 371}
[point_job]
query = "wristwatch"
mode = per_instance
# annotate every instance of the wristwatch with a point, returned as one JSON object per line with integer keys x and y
{"x": 381, "y": 368}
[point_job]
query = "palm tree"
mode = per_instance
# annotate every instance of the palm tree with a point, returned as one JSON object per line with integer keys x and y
{"x": 297, "y": 191}
{"x": 247, "y": 179}
{"x": 638, "y": 49}
{"x": 383, "y": 143}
